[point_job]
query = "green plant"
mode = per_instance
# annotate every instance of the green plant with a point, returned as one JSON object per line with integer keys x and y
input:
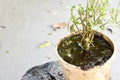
{"x": 92, "y": 18}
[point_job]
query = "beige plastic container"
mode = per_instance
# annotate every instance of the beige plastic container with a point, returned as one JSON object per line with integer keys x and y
{"x": 72, "y": 72}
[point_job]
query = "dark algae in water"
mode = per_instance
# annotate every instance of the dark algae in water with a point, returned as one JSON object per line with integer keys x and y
{"x": 69, "y": 49}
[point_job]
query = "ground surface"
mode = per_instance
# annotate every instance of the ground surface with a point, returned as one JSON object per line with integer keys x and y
{"x": 24, "y": 24}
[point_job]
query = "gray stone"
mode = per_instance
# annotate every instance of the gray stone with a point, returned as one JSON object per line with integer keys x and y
{"x": 48, "y": 71}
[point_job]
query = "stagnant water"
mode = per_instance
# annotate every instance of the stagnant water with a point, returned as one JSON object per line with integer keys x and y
{"x": 69, "y": 49}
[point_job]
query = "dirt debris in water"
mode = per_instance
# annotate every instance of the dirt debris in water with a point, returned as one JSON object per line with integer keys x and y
{"x": 98, "y": 54}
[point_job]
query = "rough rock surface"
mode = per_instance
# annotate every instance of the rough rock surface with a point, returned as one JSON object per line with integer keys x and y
{"x": 48, "y": 71}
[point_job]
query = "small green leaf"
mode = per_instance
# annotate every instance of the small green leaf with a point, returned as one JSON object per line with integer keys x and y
{"x": 72, "y": 28}
{"x": 105, "y": 1}
{"x": 99, "y": 21}
{"x": 45, "y": 44}
{"x": 77, "y": 22}
{"x": 73, "y": 7}
{"x": 90, "y": 22}
{"x": 97, "y": 28}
